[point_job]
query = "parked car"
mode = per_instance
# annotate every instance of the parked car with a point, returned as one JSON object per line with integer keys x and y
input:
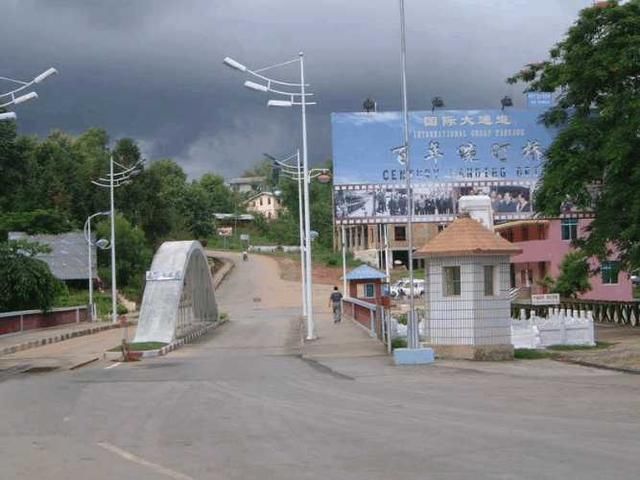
{"x": 418, "y": 288}
{"x": 635, "y": 278}
{"x": 395, "y": 290}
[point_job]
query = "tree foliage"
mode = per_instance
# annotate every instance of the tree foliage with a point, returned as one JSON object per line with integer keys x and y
{"x": 574, "y": 275}
{"x": 25, "y": 281}
{"x": 595, "y": 71}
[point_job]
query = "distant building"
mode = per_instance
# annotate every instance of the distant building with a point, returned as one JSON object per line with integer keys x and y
{"x": 544, "y": 244}
{"x": 69, "y": 256}
{"x": 247, "y": 185}
{"x": 366, "y": 239}
{"x": 265, "y": 203}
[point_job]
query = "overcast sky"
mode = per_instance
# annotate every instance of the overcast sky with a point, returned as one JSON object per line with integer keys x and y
{"x": 152, "y": 69}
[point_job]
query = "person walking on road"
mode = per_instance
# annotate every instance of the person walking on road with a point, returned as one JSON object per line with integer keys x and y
{"x": 335, "y": 302}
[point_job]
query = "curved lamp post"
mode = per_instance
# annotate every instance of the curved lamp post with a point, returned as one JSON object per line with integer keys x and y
{"x": 12, "y": 98}
{"x": 111, "y": 181}
{"x": 296, "y": 97}
{"x": 102, "y": 244}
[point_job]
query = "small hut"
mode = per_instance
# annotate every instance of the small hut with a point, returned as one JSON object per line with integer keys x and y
{"x": 466, "y": 292}
{"x": 367, "y": 284}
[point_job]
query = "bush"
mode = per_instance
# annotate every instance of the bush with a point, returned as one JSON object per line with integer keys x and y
{"x": 398, "y": 342}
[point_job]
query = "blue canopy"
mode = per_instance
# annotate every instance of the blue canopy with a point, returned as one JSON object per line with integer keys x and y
{"x": 365, "y": 272}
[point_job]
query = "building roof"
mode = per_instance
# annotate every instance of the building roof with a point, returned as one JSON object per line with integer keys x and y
{"x": 520, "y": 223}
{"x": 467, "y": 237}
{"x": 68, "y": 259}
{"x": 245, "y": 180}
{"x": 365, "y": 272}
{"x": 258, "y": 195}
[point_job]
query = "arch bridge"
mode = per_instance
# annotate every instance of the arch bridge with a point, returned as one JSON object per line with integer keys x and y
{"x": 179, "y": 294}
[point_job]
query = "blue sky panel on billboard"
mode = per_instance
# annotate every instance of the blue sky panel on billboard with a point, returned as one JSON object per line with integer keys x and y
{"x": 453, "y": 153}
{"x": 446, "y": 145}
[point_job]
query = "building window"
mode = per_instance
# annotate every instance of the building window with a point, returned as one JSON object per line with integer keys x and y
{"x": 525, "y": 233}
{"x": 269, "y": 201}
{"x": 569, "y": 228}
{"x": 451, "y": 281}
{"x": 400, "y": 234}
{"x": 369, "y": 290}
{"x": 260, "y": 202}
{"x": 489, "y": 271}
{"x": 610, "y": 271}
{"x": 541, "y": 232}
{"x": 441, "y": 227}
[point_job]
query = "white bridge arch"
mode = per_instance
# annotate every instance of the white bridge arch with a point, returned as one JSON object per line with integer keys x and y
{"x": 179, "y": 294}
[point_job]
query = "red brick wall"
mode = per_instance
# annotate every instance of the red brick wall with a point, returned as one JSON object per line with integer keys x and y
{"x": 35, "y": 320}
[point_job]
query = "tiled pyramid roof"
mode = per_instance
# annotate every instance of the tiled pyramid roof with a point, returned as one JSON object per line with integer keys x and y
{"x": 467, "y": 237}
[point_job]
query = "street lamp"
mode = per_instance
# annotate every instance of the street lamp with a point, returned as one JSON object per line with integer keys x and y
{"x": 436, "y": 102}
{"x": 506, "y": 101}
{"x": 12, "y": 98}
{"x": 282, "y": 167}
{"x": 298, "y": 97}
{"x": 102, "y": 244}
{"x": 112, "y": 181}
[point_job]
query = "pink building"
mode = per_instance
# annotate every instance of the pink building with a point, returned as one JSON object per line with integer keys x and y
{"x": 544, "y": 244}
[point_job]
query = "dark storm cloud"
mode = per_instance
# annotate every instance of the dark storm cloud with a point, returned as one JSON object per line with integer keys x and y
{"x": 151, "y": 69}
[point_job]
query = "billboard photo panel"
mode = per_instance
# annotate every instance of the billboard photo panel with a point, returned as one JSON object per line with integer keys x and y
{"x": 453, "y": 153}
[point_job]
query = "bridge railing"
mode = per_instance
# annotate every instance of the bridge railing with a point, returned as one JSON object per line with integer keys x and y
{"x": 620, "y": 313}
{"x": 375, "y": 318}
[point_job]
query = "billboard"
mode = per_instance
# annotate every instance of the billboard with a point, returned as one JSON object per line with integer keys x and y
{"x": 453, "y": 153}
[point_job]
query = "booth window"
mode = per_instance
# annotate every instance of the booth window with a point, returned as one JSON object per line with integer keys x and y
{"x": 369, "y": 290}
{"x": 451, "y": 281}
{"x": 489, "y": 272}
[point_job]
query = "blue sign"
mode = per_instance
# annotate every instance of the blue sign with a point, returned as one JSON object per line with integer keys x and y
{"x": 539, "y": 99}
{"x": 452, "y": 152}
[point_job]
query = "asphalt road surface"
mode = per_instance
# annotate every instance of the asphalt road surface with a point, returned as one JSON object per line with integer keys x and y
{"x": 242, "y": 404}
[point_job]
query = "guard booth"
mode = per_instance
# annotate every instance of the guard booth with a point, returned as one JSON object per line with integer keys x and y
{"x": 367, "y": 298}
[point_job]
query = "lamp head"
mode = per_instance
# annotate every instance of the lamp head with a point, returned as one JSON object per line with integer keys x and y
{"x": 103, "y": 244}
{"x": 7, "y": 116}
{"x": 256, "y": 86}
{"x": 230, "y": 62}
{"x": 279, "y": 103}
{"x": 436, "y": 102}
{"x": 506, "y": 102}
{"x": 25, "y": 98}
{"x": 44, "y": 75}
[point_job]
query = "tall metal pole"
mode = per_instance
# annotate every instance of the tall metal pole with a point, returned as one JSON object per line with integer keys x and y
{"x": 307, "y": 221}
{"x": 344, "y": 262}
{"x": 114, "y": 292}
{"x": 301, "y": 225}
{"x": 412, "y": 327}
{"x": 90, "y": 272}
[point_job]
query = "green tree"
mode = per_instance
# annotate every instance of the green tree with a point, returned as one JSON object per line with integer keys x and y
{"x": 133, "y": 256}
{"x": 574, "y": 275}
{"x": 593, "y": 161}
{"x": 25, "y": 281}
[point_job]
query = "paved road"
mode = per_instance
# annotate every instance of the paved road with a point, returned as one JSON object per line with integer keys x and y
{"x": 242, "y": 404}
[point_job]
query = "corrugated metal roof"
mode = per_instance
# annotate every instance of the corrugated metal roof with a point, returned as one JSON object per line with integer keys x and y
{"x": 69, "y": 256}
{"x": 365, "y": 272}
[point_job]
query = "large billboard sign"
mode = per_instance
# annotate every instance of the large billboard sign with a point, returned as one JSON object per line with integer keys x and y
{"x": 453, "y": 153}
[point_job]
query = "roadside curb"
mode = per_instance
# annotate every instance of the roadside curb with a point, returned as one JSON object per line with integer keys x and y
{"x": 167, "y": 348}
{"x": 82, "y": 364}
{"x": 223, "y": 272}
{"x": 600, "y": 366}
{"x": 57, "y": 338}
